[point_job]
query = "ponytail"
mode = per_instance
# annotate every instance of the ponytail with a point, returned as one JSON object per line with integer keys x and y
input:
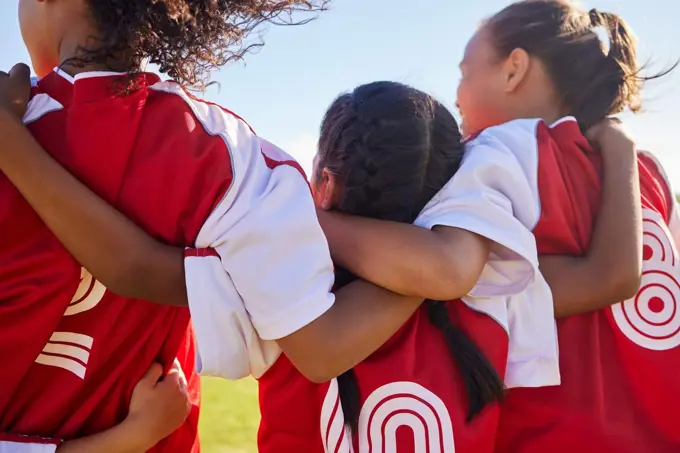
{"x": 592, "y": 82}
{"x": 483, "y": 386}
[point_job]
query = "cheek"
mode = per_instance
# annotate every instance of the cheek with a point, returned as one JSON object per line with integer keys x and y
{"x": 470, "y": 103}
{"x": 480, "y": 103}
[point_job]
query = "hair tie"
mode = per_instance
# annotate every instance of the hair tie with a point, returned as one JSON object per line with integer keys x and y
{"x": 595, "y": 18}
{"x": 598, "y": 25}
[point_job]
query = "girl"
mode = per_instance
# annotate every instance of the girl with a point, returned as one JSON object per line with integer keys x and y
{"x": 619, "y": 389}
{"x": 157, "y": 408}
{"x": 371, "y": 143}
{"x": 220, "y": 186}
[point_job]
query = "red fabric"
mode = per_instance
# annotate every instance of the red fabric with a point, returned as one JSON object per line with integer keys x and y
{"x": 615, "y": 396}
{"x": 415, "y": 362}
{"x": 148, "y": 155}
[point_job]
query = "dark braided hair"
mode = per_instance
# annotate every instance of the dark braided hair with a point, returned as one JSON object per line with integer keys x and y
{"x": 185, "y": 38}
{"x": 393, "y": 148}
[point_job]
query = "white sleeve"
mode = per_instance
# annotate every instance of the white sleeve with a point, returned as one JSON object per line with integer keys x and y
{"x": 274, "y": 275}
{"x": 17, "y": 447}
{"x": 12, "y": 443}
{"x": 495, "y": 194}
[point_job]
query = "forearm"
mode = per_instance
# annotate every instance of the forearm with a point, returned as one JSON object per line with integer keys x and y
{"x": 79, "y": 218}
{"x": 575, "y": 287}
{"x": 114, "y": 440}
{"x": 611, "y": 270}
{"x": 362, "y": 319}
{"x": 403, "y": 258}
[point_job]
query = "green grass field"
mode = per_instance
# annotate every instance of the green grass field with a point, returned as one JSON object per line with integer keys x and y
{"x": 229, "y": 416}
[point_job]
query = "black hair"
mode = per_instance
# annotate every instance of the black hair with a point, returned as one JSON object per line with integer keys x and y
{"x": 393, "y": 148}
{"x": 185, "y": 38}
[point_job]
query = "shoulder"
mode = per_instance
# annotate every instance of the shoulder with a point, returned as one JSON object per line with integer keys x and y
{"x": 509, "y": 135}
{"x": 217, "y": 123}
{"x": 209, "y": 118}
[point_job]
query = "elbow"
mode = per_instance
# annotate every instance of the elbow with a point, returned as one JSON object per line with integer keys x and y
{"x": 624, "y": 282}
{"x": 452, "y": 282}
{"x": 627, "y": 286}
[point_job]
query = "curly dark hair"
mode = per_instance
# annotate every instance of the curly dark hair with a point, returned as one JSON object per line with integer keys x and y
{"x": 185, "y": 38}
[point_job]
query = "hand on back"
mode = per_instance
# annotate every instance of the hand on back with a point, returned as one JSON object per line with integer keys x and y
{"x": 159, "y": 405}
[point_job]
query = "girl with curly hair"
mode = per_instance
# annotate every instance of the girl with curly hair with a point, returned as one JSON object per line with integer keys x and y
{"x": 251, "y": 258}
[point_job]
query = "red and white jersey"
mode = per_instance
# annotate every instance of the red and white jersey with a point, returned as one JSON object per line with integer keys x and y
{"x": 620, "y": 366}
{"x": 411, "y": 392}
{"x": 190, "y": 173}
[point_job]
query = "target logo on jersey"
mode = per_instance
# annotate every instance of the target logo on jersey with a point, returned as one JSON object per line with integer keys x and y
{"x": 651, "y": 319}
{"x": 393, "y": 406}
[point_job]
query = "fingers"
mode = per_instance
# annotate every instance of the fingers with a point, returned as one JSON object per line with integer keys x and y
{"x": 174, "y": 380}
{"x": 20, "y": 72}
{"x": 153, "y": 375}
{"x": 604, "y": 126}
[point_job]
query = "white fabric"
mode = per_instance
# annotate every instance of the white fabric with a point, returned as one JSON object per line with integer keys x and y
{"x": 39, "y": 106}
{"x": 276, "y": 272}
{"x": 18, "y": 447}
{"x": 674, "y": 219}
{"x": 495, "y": 194}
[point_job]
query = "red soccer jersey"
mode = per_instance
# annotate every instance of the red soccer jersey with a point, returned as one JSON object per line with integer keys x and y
{"x": 412, "y": 396}
{"x": 620, "y": 366}
{"x": 411, "y": 393}
{"x": 79, "y": 350}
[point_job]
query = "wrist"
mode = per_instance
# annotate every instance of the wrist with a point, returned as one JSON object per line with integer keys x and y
{"x": 135, "y": 436}
{"x": 8, "y": 119}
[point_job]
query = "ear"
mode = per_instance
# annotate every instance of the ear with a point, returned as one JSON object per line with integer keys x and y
{"x": 325, "y": 190}
{"x": 516, "y": 69}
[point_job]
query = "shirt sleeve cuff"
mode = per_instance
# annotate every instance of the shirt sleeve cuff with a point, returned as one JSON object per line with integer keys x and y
{"x": 14, "y": 443}
{"x": 228, "y": 345}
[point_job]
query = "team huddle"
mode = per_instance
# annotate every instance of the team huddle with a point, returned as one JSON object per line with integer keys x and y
{"x": 506, "y": 285}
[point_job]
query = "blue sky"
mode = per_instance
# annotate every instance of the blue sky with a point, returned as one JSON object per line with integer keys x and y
{"x": 284, "y": 89}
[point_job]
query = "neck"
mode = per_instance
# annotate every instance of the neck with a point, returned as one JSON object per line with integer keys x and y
{"x": 73, "y": 55}
{"x": 549, "y": 111}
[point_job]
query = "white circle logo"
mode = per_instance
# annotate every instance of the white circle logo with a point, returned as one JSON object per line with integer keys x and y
{"x": 390, "y": 407}
{"x": 651, "y": 319}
